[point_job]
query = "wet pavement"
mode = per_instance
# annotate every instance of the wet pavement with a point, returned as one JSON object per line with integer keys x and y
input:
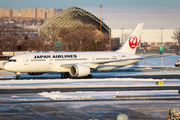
{"x": 101, "y": 110}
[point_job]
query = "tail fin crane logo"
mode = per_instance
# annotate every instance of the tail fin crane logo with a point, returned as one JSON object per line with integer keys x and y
{"x": 132, "y": 41}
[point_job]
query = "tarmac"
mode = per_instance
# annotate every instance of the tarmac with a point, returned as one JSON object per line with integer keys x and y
{"x": 153, "y": 108}
{"x": 99, "y": 110}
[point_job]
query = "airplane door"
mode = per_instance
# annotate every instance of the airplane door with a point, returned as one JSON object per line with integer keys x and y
{"x": 50, "y": 64}
{"x": 93, "y": 58}
{"x": 122, "y": 56}
{"x": 26, "y": 61}
{"x": 119, "y": 56}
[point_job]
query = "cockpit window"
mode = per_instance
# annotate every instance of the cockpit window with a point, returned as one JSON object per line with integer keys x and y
{"x": 9, "y": 60}
{"x": 12, "y": 60}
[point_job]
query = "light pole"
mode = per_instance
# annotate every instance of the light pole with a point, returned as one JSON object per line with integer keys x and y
{"x": 122, "y": 34}
{"x": 162, "y": 36}
{"x": 67, "y": 47}
{"x": 80, "y": 45}
{"x": 161, "y": 45}
{"x": 96, "y": 44}
{"x": 100, "y": 20}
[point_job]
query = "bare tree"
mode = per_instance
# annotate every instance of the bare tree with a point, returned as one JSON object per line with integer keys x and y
{"x": 95, "y": 43}
{"x": 50, "y": 36}
{"x": 41, "y": 21}
{"x": 44, "y": 39}
{"x": 86, "y": 40}
{"x": 34, "y": 44}
{"x": 3, "y": 21}
{"x": 9, "y": 39}
{"x": 77, "y": 39}
{"x": 176, "y": 35}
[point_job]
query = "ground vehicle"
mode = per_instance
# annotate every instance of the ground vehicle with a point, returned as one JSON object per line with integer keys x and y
{"x": 177, "y": 64}
{"x": 174, "y": 114}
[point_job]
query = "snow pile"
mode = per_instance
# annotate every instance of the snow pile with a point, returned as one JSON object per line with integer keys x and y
{"x": 71, "y": 95}
{"x": 99, "y": 95}
{"x": 82, "y": 95}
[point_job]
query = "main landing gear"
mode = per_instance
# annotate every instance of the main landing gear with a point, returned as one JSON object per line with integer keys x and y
{"x": 65, "y": 75}
{"x": 89, "y": 76}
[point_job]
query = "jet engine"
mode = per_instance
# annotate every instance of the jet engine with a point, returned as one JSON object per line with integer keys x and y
{"x": 79, "y": 70}
{"x": 38, "y": 73}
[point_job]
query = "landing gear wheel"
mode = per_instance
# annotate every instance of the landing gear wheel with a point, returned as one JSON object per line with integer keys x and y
{"x": 69, "y": 76}
{"x": 18, "y": 77}
{"x": 62, "y": 76}
{"x": 65, "y": 76}
{"x": 89, "y": 76}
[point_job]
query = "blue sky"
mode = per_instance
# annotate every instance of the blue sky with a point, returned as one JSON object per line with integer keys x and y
{"x": 18, "y": 4}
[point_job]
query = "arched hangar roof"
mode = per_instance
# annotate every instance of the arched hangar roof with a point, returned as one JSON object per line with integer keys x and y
{"x": 73, "y": 18}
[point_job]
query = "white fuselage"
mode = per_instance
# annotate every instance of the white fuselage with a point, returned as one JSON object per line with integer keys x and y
{"x": 52, "y": 62}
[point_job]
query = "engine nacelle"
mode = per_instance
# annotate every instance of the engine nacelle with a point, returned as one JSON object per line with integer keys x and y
{"x": 79, "y": 70}
{"x": 38, "y": 73}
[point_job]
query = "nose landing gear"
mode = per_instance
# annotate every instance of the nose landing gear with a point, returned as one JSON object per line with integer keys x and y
{"x": 18, "y": 75}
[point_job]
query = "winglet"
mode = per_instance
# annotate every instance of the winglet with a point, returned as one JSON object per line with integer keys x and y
{"x": 130, "y": 44}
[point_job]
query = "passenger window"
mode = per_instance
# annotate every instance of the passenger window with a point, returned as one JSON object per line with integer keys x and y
{"x": 12, "y": 60}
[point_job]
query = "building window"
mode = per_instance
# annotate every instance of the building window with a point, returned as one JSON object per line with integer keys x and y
{"x": 45, "y": 14}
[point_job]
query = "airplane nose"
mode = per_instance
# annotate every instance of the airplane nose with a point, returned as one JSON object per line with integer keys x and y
{"x": 6, "y": 66}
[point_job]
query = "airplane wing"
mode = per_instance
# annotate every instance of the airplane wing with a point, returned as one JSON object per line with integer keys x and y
{"x": 103, "y": 62}
{"x": 66, "y": 65}
{"x": 154, "y": 56}
{"x": 138, "y": 58}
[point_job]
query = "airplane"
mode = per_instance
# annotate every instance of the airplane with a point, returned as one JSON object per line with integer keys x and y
{"x": 77, "y": 64}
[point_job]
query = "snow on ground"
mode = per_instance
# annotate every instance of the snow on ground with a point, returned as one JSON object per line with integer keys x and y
{"x": 167, "y": 61}
{"x": 56, "y": 95}
{"x": 91, "y": 95}
{"x": 52, "y": 83}
{"x": 57, "y": 75}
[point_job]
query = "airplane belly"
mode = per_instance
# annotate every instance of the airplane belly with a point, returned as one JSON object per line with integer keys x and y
{"x": 57, "y": 68}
